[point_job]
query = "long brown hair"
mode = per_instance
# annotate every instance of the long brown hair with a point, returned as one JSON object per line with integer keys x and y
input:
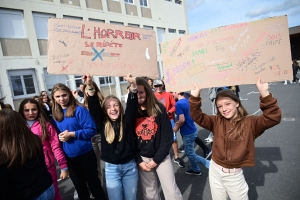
{"x": 41, "y": 97}
{"x": 108, "y": 129}
{"x": 57, "y": 111}
{"x": 152, "y": 103}
{"x": 238, "y": 126}
{"x": 42, "y": 117}
{"x": 97, "y": 91}
{"x": 17, "y": 143}
{"x": 3, "y": 105}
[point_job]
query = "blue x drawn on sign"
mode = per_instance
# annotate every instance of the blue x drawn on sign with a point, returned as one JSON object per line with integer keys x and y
{"x": 98, "y": 54}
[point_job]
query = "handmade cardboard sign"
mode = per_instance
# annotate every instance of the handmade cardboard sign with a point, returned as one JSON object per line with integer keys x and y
{"x": 229, "y": 55}
{"x": 77, "y": 47}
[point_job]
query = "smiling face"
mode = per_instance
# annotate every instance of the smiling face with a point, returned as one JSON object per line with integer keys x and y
{"x": 112, "y": 108}
{"x": 227, "y": 107}
{"x": 30, "y": 111}
{"x": 62, "y": 98}
{"x": 141, "y": 95}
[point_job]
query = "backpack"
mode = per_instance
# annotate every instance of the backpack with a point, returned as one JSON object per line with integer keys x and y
{"x": 218, "y": 89}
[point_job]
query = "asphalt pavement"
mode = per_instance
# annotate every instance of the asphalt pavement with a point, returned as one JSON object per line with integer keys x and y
{"x": 277, "y": 171}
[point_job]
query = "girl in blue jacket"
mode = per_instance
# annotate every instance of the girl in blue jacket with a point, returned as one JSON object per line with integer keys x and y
{"x": 76, "y": 128}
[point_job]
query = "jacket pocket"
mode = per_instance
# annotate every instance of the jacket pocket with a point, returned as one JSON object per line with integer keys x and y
{"x": 219, "y": 148}
{"x": 239, "y": 152}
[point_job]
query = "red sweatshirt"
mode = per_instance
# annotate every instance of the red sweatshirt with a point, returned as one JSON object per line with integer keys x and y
{"x": 167, "y": 99}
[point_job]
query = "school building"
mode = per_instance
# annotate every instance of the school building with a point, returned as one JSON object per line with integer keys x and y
{"x": 24, "y": 34}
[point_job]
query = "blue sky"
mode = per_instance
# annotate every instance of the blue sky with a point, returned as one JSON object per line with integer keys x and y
{"x": 206, "y": 14}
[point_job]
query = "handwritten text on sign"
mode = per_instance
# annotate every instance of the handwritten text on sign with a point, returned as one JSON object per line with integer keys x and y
{"x": 77, "y": 47}
{"x": 229, "y": 55}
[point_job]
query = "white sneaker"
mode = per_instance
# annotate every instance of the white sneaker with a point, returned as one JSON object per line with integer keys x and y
{"x": 75, "y": 195}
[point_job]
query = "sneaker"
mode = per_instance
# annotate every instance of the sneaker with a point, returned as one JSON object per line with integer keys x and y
{"x": 75, "y": 195}
{"x": 179, "y": 162}
{"x": 206, "y": 153}
{"x": 181, "y": 149}
{"x": 191, "y": 172}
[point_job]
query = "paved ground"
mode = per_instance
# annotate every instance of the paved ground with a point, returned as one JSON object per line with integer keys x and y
{"x": 277, "y": 171}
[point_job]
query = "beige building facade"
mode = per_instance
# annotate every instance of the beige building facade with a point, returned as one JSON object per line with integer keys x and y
{"x": 24, "y": 34}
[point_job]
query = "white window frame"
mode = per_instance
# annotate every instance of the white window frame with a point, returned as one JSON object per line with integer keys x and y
{"x": 129, "y": 2}
{"x": 148, "y": 27}
{"x": 112, "y": 81}
{"x": 171, "y": 30}
{"x": 8, "y": 29}
{"x": 161, "y": 35}
{"x": 77, "y": 80}
{"x": 134, "y": 25}
{"x": 122, "y": 81}
{"x": 147, "y": 6}
{"x": 182, "y": 32}
{"x": 179, "y": 2}
{"x": 41, "y": 24}
{"x": 22, "y": 73}
{"x": 72, "y": 17}
{"x": 96, "y": 20}
{"x": 117, "y": 23}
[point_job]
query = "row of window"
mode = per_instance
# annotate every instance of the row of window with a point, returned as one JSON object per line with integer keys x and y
{"x": 12, "y": 25}
{"x": 145, "y": 3}
{"x": 24, "y": 82}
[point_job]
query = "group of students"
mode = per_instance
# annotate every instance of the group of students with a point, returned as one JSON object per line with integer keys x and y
{"x": 135, "y": 143}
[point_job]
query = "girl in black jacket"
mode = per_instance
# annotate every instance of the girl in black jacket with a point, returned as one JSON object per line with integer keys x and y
{"x": 118, "y": 146}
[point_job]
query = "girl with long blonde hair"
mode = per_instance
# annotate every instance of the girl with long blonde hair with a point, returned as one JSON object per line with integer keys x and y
{"x": 118, "y": 145}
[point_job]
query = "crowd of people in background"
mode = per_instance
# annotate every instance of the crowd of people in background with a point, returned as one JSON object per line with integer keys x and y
{"x": 81, "y": 128}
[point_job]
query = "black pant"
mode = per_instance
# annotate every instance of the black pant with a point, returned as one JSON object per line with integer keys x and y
{"x": 83, "y": 171}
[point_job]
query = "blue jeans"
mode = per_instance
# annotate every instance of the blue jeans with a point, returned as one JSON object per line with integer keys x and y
{"x": 121, "y": 180}
{"x": 174, "y": 134}
{"x": 189, "y": 141}
{"x": 48, "y": 194}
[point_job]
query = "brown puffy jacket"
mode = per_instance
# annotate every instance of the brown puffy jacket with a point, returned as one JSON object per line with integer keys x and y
{"x": 236, "y": 151}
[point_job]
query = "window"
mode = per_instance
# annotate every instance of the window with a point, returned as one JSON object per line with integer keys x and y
{"x": 148, "y": 27}
{"x": 52, "y": 79}
{"x": 178, "y": 1}
{"x": 181, "y": 32}
{"x": 161, "y": 35}
{"x": 78, "y": 80}
{"x": 23, "y": 83}
{"x": 117, "y": 23}
{"x": 122, "y": 80}
{"x": 12, "y": 24}
{"x": 97, "y": 20}
{"x": 144, "y": 3}
{"x": 134, "y": 25}
{"x": 172, "y": 30}
{"x": 72, "y": 17}
{"x": 41, "y": 24}
{"x": 105, "y": 80}
{"x": 129, "y": 1}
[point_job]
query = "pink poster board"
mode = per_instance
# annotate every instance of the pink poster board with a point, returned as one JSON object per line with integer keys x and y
{"x": 229, "y": 55}
{"x": 77, "y": 47}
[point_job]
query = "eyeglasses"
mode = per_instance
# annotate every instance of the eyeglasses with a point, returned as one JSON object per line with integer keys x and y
{"x": 157, "y": 85}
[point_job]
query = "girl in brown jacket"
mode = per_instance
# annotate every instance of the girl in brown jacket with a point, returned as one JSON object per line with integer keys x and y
{"x": 234, "y": 136}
